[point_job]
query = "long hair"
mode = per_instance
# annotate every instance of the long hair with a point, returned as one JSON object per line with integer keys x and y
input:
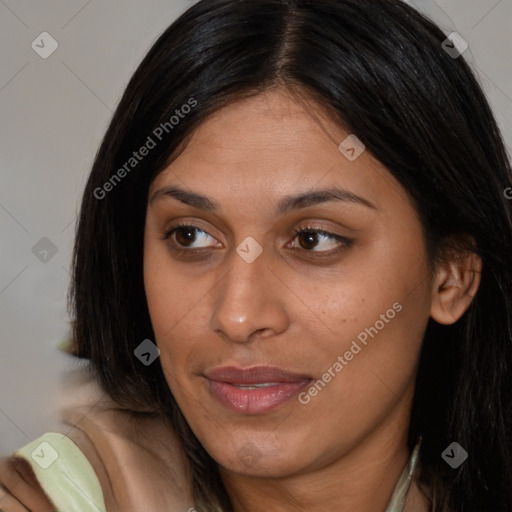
{"x": 379, "y": 69}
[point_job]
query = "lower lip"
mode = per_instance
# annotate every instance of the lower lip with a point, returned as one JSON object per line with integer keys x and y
{"x": 255, "y": 401}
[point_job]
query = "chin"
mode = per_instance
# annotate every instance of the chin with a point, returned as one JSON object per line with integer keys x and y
{"x": 264, "y": 459}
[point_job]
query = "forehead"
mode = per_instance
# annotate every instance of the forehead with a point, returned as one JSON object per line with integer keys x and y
{"x": 270, "y": 122}
{"x": 272, "y": 143}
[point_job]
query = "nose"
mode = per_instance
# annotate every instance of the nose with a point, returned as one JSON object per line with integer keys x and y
{"x": 249, "y": 302}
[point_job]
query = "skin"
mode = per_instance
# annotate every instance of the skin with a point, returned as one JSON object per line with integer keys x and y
{"x": 345, "y": 449}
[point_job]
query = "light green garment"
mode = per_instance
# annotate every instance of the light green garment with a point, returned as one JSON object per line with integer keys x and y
{"x": 70, "y": 482}
{"x": 64, "y": 473}
{"x": 397, "y": 502}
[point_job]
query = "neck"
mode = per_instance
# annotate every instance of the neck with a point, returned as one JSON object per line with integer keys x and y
{"x": 362, "y": 479}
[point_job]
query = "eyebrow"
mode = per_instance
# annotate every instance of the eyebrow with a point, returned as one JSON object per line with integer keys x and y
{"x": 285, "y": 205}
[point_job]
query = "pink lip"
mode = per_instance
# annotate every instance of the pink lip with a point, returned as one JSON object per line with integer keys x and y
{"x": 223, "y": 386}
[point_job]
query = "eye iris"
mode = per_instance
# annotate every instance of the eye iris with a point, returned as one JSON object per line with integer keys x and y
{"x": 189, "y": 237}
{"x": 310, "y": 237}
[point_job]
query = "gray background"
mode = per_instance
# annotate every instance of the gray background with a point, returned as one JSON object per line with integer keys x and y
{"x": 53, "y": 114}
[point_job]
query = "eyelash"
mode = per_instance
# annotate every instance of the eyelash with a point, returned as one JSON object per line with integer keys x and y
{"x": 345, "y": 243}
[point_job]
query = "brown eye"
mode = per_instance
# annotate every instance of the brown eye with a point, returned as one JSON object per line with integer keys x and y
{"x": 185, "y": 236}
{"x": 309, "y": 239}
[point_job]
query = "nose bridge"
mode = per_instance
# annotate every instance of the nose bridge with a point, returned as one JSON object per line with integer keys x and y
{"x": 246, "y": 299}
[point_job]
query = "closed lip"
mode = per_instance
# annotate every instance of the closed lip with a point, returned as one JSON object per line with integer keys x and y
{"x": 253, "y": 375}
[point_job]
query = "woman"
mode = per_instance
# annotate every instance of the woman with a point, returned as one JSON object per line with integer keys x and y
{"x": 291, "y": 276}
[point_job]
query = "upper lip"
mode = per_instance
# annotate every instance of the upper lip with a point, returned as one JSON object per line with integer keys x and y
{"x": 253, "y": 375}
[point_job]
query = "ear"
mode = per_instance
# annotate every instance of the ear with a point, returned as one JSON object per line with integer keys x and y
{"x": 455, "y": 284}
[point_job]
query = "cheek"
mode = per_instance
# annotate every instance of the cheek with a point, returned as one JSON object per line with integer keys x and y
{"x": 373, "y": 279}
{"x": 169, "y": 295}
{"x": 175, "y": 301}
{"x": 377, "y": 316}
{"x": 164, "y": 293}
{"x": 365, "y": 371}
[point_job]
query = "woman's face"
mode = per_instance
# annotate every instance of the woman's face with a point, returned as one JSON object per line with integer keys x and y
{"x": 285, "y": 351}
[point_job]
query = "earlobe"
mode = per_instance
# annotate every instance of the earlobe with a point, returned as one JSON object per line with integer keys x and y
{"x": 455, "y": 285}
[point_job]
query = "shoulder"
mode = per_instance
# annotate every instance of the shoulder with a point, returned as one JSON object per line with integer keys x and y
{"x": 20, "y": 489}
{"x": 136, "y": 457}
{"x": 50, "y": 473}
{"x": 134, "y": 453}
{"x": 134, "y": 460}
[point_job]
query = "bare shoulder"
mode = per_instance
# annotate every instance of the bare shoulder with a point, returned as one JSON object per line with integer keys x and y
{"x": 19, "y": 489}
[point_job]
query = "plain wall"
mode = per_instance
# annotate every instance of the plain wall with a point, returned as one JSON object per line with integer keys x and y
{"x": 54, "y": 112}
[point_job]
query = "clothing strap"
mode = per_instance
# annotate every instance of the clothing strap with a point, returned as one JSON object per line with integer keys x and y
{"x": 64, "y": 473}
{"x": 399, "y": 496}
